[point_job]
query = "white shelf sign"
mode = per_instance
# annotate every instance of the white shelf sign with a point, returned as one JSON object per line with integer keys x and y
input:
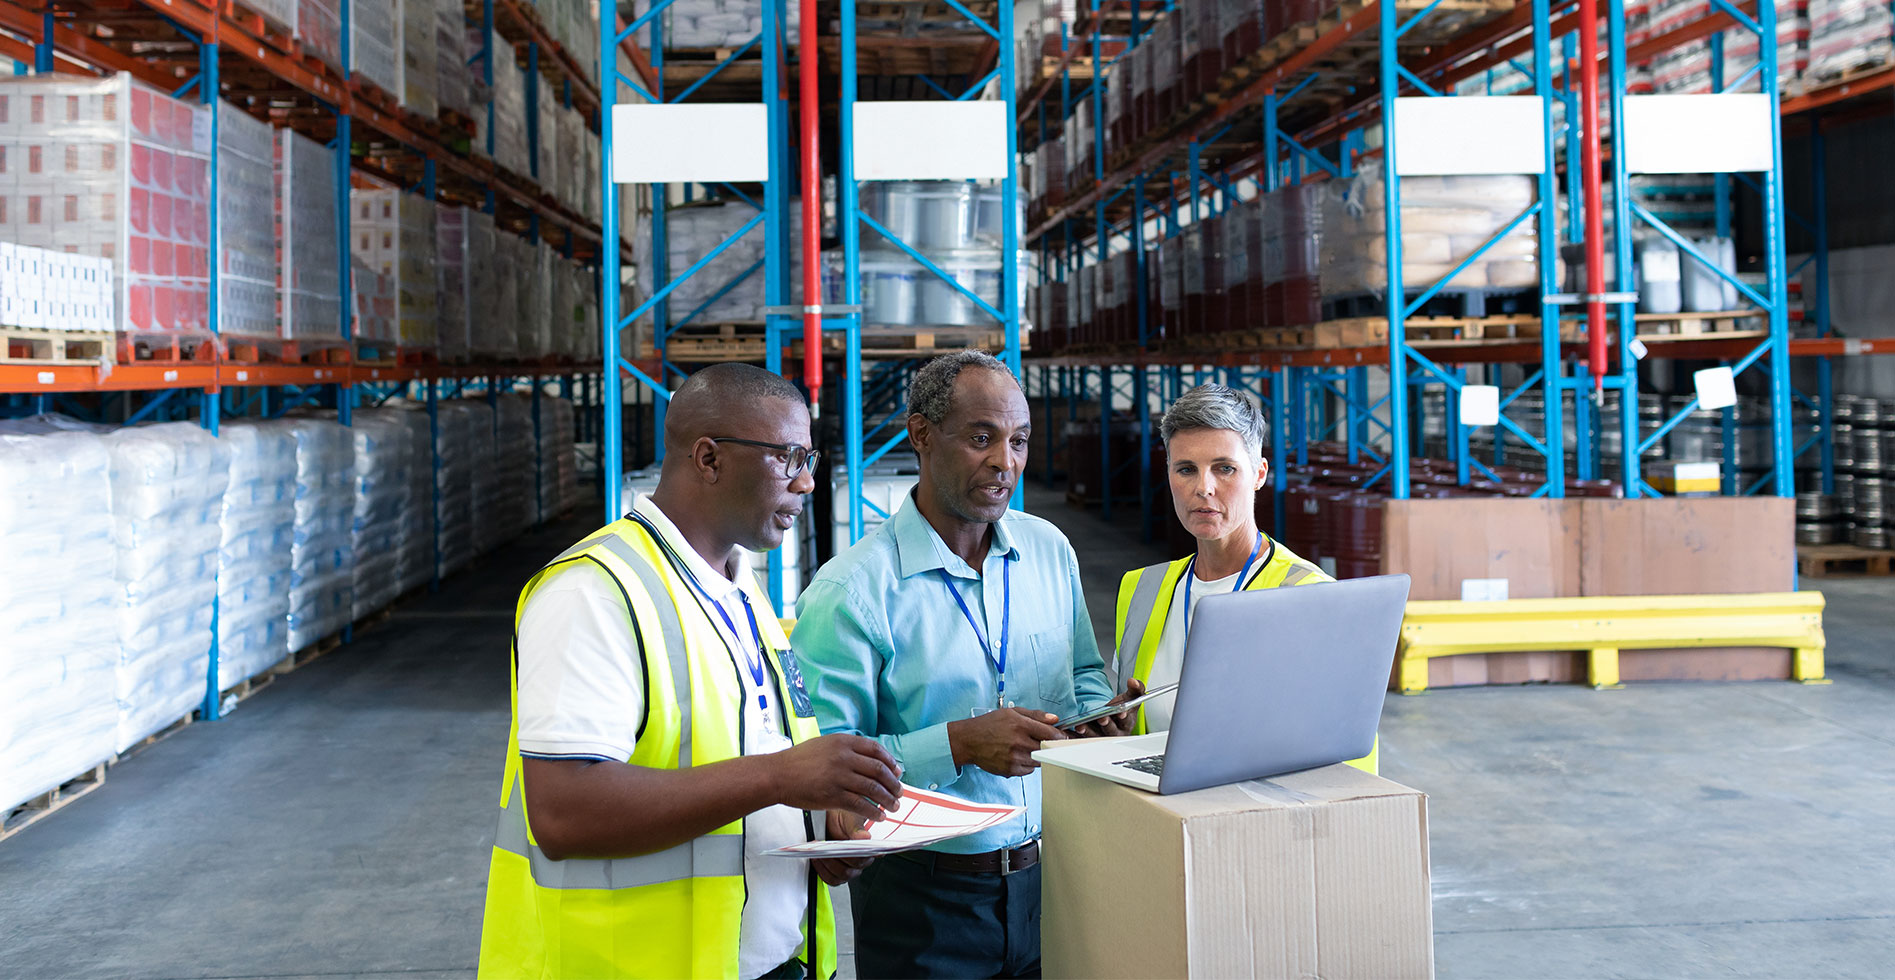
{"x": 1698, "y": 134}
{"x": 1469, "y": 134}
{"x": 665, "y": 144}
{"x": 931, "y": 140}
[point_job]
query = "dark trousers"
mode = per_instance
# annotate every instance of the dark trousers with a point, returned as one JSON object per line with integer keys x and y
{"x": 914, "y": 921}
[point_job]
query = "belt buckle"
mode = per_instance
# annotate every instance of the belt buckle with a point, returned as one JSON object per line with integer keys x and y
{"x": 1006, "y": 862}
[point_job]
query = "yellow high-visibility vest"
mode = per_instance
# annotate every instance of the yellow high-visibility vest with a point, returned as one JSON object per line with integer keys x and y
{"x": 1145, "y": 602}
{"x": 678, "y": 912}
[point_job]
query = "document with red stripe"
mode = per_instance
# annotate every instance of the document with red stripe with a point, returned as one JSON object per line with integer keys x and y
{"x": 923, "y": 818}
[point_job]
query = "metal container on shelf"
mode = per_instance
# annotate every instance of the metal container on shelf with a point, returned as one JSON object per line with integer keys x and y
{"x": 1845, "y": 495}
{"x": 1865, "y": 450}
{"x": 1818, "y": 532}
{"x": 896, "y": 205}
{"x": 1815, "y": 507}
{"x": 890, "y": 288}
{"x": 978, "y": 270}
{"x": 948, "y": 215}
{"x": 1842, "y": 409}
{"x": 1870, "y": 412}
{"x": 1843, "y": 436}
{"x": 1869, "y": 536}
{"x": 1871, "y": 500}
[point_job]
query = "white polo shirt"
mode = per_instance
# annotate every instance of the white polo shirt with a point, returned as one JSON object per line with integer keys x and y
{"x": 582, "y": 694}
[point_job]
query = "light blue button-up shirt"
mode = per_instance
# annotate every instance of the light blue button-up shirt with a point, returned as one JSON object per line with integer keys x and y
{"x": 887, "y": 652}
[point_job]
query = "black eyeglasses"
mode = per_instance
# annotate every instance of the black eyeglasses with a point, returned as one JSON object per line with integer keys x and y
{"x": 796, "y": 459}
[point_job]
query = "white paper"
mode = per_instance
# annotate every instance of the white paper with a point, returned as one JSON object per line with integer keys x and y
{"x": 923, "y": 818}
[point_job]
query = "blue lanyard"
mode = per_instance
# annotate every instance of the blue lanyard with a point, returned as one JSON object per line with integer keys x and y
{"x": 753, "y": 664}
{"x": 999, "y": 663}
{"x": 1243, "y": 576}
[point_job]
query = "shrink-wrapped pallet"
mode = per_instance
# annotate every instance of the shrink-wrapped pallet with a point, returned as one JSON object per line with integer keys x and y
{"x": 523, "y": 264}
{"x": 1444, "y": 220}
{"x": 374, "y": 304}
{"x": 416, "y": 567}
{"x": 693, "y": 232}
{"x": 451, "y": 71}
{"x": 515, "y": 451}
{"x": 110, "y": 168}
{"x": 454, "y": 317}
{"x": 309, "y": 263}
{"x": 320, "y": 577}
{"x": 1846, "y": 35}
{"x": 373, "y": 43}
{"x": 487, "y": 528}
{"x": 394, "y": 233}
{"x": 380, "y": 493}
{"x": 254, "y": 562}
{"x": 246, "y": 243}
{"x": 697, "y": 24}
{"x": 61, "y": 653}
{"x": 490, "y": 332}
{"x": 462, "y": 456}
{"x": 168, "y": 483}
{"x": 509, "y": 112}
{"x": 319, "y": 29}
{"x": 418, "y": 56}
{"x": 557, "y": 487}
{"x": 1292, "y": 256}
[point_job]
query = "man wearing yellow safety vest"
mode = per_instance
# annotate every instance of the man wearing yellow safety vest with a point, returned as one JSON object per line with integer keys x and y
{"x": 662, "y": 737}
{"x": 1214, "y": 457}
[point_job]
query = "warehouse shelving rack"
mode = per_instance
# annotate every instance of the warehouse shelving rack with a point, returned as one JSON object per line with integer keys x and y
{"x": 235, "y": 52}
{"x": 1324, "y": 143}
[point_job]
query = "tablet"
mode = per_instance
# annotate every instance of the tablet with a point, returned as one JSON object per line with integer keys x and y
{"x": 1113, "y": 709}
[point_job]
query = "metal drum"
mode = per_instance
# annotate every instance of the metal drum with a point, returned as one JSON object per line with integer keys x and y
{"x": 1866, "y": 450}
{"x": 947, "y": 215}
{"x": 896, "y": 205}
{"x": 1845, "y": 444}
{"x": 1843, "y": 409}
{"x": 1817, "y": 533}
{"x": 1869, "y": 536}
{"x": 889, "y": 284}
{"x": 1845, "y": 495}
{"x": 1871, "y": 498}
{"x": 1815, "y": 507}
{"x": 976, "y": 269}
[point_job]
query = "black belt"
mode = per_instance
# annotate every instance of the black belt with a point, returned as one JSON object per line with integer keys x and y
{"x": 1002, "y": 862}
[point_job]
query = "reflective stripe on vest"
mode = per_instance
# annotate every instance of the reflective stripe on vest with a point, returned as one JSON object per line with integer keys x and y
{"x": 1138, "y": 615}
{"x": 670, "y": 628}
{"x": 715, "y": 854}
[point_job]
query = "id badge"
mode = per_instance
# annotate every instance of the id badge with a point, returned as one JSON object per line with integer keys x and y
{"x": 793, "y": 679}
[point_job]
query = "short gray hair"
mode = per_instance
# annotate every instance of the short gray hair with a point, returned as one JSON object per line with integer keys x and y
{"x": 1215, "y": 406}
{"x": 931, "y": 393}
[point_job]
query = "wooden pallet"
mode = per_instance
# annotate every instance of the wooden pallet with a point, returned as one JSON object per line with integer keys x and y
{"x": 1676, "y": 325}
{"x": 745, "y": 342}
{"x": 377, "y": 354}
{"x": 46, "y": 804}
{"x": 1820, "y": 560}
{"x": 154, "y": 738}
{"x": 25, "y": 345}
{"x": 259, "y": 351}
{"x": 154, "y": 348}
{"x": 243, "y": 690}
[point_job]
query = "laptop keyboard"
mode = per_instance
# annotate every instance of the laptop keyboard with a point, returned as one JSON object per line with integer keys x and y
{"x": 1150, "y": 764}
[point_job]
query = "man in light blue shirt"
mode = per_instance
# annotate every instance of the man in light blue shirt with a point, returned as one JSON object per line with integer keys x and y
{"x": 956, "y": 633}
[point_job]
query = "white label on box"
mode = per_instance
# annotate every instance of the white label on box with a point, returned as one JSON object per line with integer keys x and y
{"x": 1854, "y": 345}
{"x": 1480, "y": 405}
{"x": 1638, "y": 348}
{"x": 1483, "y": 590}
{"x": 46, "y": 377}
{"x": 1716, "y": 387}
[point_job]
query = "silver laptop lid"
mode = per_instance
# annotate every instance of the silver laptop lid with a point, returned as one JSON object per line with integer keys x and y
{"x": 1279, "y": 680}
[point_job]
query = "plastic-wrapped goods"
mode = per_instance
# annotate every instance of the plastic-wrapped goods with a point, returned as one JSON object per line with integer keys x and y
{"x": 394, "y": 233}
{"x": 585, "y": 295}
{"x": 509, "y": 112}
{"x": 254, "y": 559}
{"x": 461, "y": 458}
{"x": 571, "y": 163}
{"x": 320, "y": 576}
{"x": 1292, "y": 256}
{"x": 416, "y": 565}
{"x": 308, "y": 257}
{"x": 519, "y": 263}
{"x": 1793, "y": 36}
{"x": 454, "y": 318}
{"x": 373, "y": 39}
{"x": 61, "y": 651}
{"x": 562, "y": 308}
{"x": 490, "y": 333}
{"x": 1849, "y": 34}
{"x": 319, "y": 29}
{"x": 690, "y": 24}
{"x": 1164, "y": 70}
{"x": 548, "y": 160}
{"x": 514, "y": 449}
{"x": 691, "y": 232}
{"x": 373, "y": 297}
{"x": 1444, "y": 220}
{"x": 168, "y": 483}
{"x": 503, "y": 335}
{"x": 1660, "y": 276}
{"x": 451, "y": 72}
{"x": 381, "y": 488}
{"x": 488, "y": 530}
{"x": 246, "y": 246}
{"x": 113, "y": 169}
{"x": 416, "y": 54}
{"x": 42, "y": 289}
{"x": 1704, "y": 290}
{"x": 557, "y": 488}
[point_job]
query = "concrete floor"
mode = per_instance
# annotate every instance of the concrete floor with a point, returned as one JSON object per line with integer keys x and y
{"x": 338, "y": 823}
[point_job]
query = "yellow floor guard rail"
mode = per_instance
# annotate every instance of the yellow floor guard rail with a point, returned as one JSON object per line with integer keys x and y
{"x": 1601, "y": 626}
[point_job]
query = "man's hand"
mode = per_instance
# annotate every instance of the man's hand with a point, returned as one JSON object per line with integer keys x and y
{"x": 1112, "y": 726}
{"x": 1002, "y": 741}
{"x": 838, "y": 772}
{"x": 841, "y": 871}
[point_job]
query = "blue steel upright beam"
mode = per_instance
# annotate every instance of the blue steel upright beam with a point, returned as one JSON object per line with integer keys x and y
{"x": 776, "y": 295}
{"x": 209, "y": 405}
{"x": 847, "y": 206}
{"x": 1782, "y": 438}
{"x": 1627, "y": 380}
{"x": 1397, "y": 296}
{"x": 1546, "y": 222}
{"x": 611, "y": 440}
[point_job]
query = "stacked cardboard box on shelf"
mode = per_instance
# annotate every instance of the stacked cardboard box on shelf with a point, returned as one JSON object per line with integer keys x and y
{"x": 419, "y": 79}
{"x": 319, "y": 29}
{"x": 246, "y": 243}
{"x": 46, "y": 290}
{"x": 309, "y": 267}
{"x": 394, "y": 234}
{"x": 452, "y": 75}
{"x": 373, "y": 40}
{"x": 114, "y": 169}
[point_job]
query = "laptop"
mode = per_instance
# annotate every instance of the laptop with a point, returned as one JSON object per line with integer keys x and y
{"x": 1274, "y": 681}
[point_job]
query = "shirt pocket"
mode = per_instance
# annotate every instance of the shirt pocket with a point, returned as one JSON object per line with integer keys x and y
{"x": 1045, "y": 672}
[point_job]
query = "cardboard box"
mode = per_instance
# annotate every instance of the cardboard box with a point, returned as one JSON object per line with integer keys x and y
{"x": 1321, "y": 873}
{"x": 1674, "y": 477}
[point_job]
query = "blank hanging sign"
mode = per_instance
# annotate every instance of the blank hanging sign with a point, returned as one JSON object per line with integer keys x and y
{"x": 1698, "y": 134}
{"x": 1469, "y": 134}
{"x": 931, "y": 140}
{"x": 692, "y": 143}
{"x": 1716, "y": 387}
{"x": 1480, "y": 405}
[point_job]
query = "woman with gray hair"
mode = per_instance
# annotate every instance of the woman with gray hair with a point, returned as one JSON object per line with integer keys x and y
{"x": 1214, "y": 461}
